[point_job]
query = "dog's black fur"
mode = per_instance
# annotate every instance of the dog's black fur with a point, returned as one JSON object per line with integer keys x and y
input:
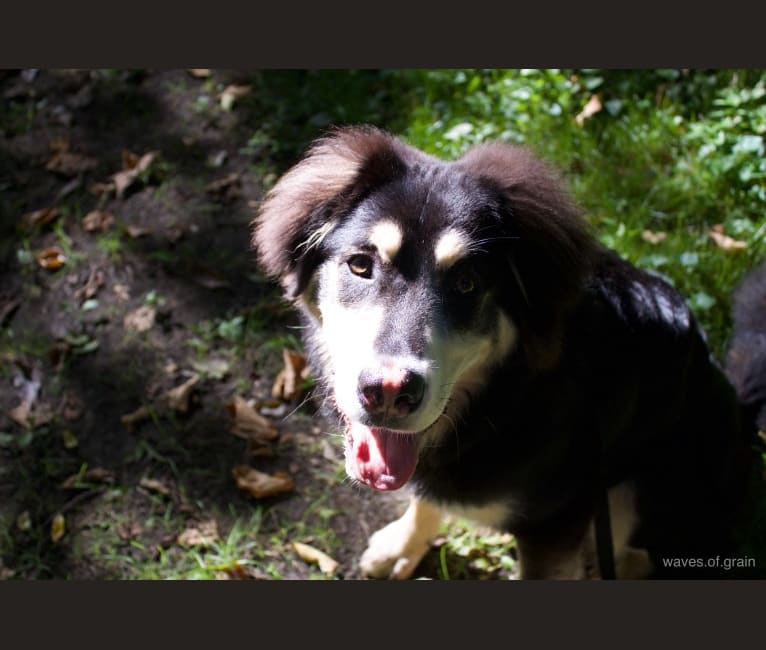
{"x": 611, "y": 379}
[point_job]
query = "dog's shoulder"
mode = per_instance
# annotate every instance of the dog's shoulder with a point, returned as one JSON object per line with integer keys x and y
{"x": 638, "y": 302}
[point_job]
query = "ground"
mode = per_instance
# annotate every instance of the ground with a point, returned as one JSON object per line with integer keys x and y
{"x": 156, "y": 498}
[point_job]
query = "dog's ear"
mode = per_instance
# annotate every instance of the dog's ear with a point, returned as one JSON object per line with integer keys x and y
{"x": 549, "y": 245}
{"x": 301, "y": 209}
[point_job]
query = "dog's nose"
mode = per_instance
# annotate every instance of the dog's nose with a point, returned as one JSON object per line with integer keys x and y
{"x": 391, "y": 390}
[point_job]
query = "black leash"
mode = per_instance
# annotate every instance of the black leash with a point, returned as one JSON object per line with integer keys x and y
{"x": 601, "y": 519}
{"x": 603, "y": 525}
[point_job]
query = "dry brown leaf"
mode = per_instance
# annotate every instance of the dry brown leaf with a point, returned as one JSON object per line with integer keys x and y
{"x": 97, "y": 220}
{"x": 248, "y": 423}
{"x": 121, "y": 291}
{"x": 135, "y": 232}
{"x": 178, "y": 398}
{"x": 101, "y": 188}
{"x": 58, "y": 528}
{"x": 312, "y": 555}
{"x": 94, "y": 283}
{"x": 223, "y": 183}
{"x": 93, "y": 475}
{"x": 723, "y": 241}
{"x": 71, "y": 406}
{"x": 239, "y": 571}
{"x": 199, "y": 73}
{"x": 21, "y": 414}
{"x": 141, "y": 319}
{"x": 30, "y": 415}
{"x": 591, "y": 108}
{"x": 261, "y": 485}
{"x": 132, "y": 166}
{"x": 287, "y": 384}
{"x": 67, "y": 163}
{"x": 51, "y": 258}
{"x": 202, "y": 534}
{"x": 260, "y": 450}
{"x": 140, "y": 414}
{"x": 38, "y": 218}
{"x": 153, "y": 485}
{"x": 654, "y": 237}
{"x": 231, "y": 94}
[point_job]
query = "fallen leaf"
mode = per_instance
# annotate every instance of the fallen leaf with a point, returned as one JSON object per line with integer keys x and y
{"x": 222, "y": 183}
{"x": 213, "y": 368}
{"x": 723, "y": 241}
{"x": 71, "y": 406}
{"x": 97, "y": 220}
{"x": 141, "y": 319}
{"x": 248, "y": 423}
{"x": 58, "y": 528}
{"x": 38, "y": 218}
{"x": 51, "y": 258}
{"x": 128, "y": 532}
{"x": 260, "y": 484}
{"x": 287, "y": 385}
{"x": 312, "y": 555}
{"x": 133, "y": 166}
{"x": 24, "y": 521}
{"x": 93, "y": 475}
{"x": 231, "y": 94}
{"x": 591, "y": 108}
{"x": 94, "y": 283}
{"x": 135, "y": 232}
{"x": 67, "y": 163}
{"x": 178, "y": 398}
{"x": 238, "y": 571}
{"x": 153, "y": 485}
{"x": 101, "y": 188}
{"x": 140, "y": 414}
{"x": 31, "y": 415}
{"x": 21, "y": 413}
{"x": 260, "y": 450}
{"x": 199, "y": 73}
{"x": 654, "y": 237}
{"x": 202, "y": 534}
{"x": 121, "y": 291}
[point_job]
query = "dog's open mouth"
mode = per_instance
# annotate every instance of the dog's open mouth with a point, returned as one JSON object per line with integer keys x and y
{"x": 383, "y": 459}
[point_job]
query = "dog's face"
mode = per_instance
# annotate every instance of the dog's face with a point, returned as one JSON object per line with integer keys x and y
{"x": 417, "y": 277}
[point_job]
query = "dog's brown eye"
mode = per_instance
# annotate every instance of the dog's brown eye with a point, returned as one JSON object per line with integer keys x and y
{"x": 361, "y": 265}
{"x": 465, "y": 283}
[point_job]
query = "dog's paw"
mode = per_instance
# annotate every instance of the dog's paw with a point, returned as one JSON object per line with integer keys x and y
{"x": 394, "y": 551}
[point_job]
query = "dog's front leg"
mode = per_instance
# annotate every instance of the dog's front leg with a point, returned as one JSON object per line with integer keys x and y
{"x": 395, "y": 550}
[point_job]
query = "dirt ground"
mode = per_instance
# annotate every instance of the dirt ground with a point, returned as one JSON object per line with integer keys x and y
{"x": 84, "y": 494}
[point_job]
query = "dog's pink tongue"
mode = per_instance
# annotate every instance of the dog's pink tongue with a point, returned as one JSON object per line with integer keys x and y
{"x": 381, "y": 458}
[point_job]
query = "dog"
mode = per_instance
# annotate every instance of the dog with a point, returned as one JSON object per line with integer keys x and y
{"x": 477, "y": 343}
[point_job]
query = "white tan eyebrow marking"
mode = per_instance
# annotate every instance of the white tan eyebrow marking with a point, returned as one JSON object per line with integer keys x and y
{"x": 386, "y": 236}
{"x": 452, "y": 245}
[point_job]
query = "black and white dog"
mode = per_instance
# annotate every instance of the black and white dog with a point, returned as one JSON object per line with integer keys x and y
{"x": 479, "y": 345}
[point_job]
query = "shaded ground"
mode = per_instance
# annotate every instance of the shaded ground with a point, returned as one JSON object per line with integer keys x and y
{"x": 177, "y": 247}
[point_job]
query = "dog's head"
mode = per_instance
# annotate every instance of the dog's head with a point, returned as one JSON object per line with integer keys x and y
{"x": 417, "y": 278}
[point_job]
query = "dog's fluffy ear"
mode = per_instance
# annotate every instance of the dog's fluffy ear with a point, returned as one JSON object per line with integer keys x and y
{"x": 550, "y": 246}
{"x": 310, "y": 198}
